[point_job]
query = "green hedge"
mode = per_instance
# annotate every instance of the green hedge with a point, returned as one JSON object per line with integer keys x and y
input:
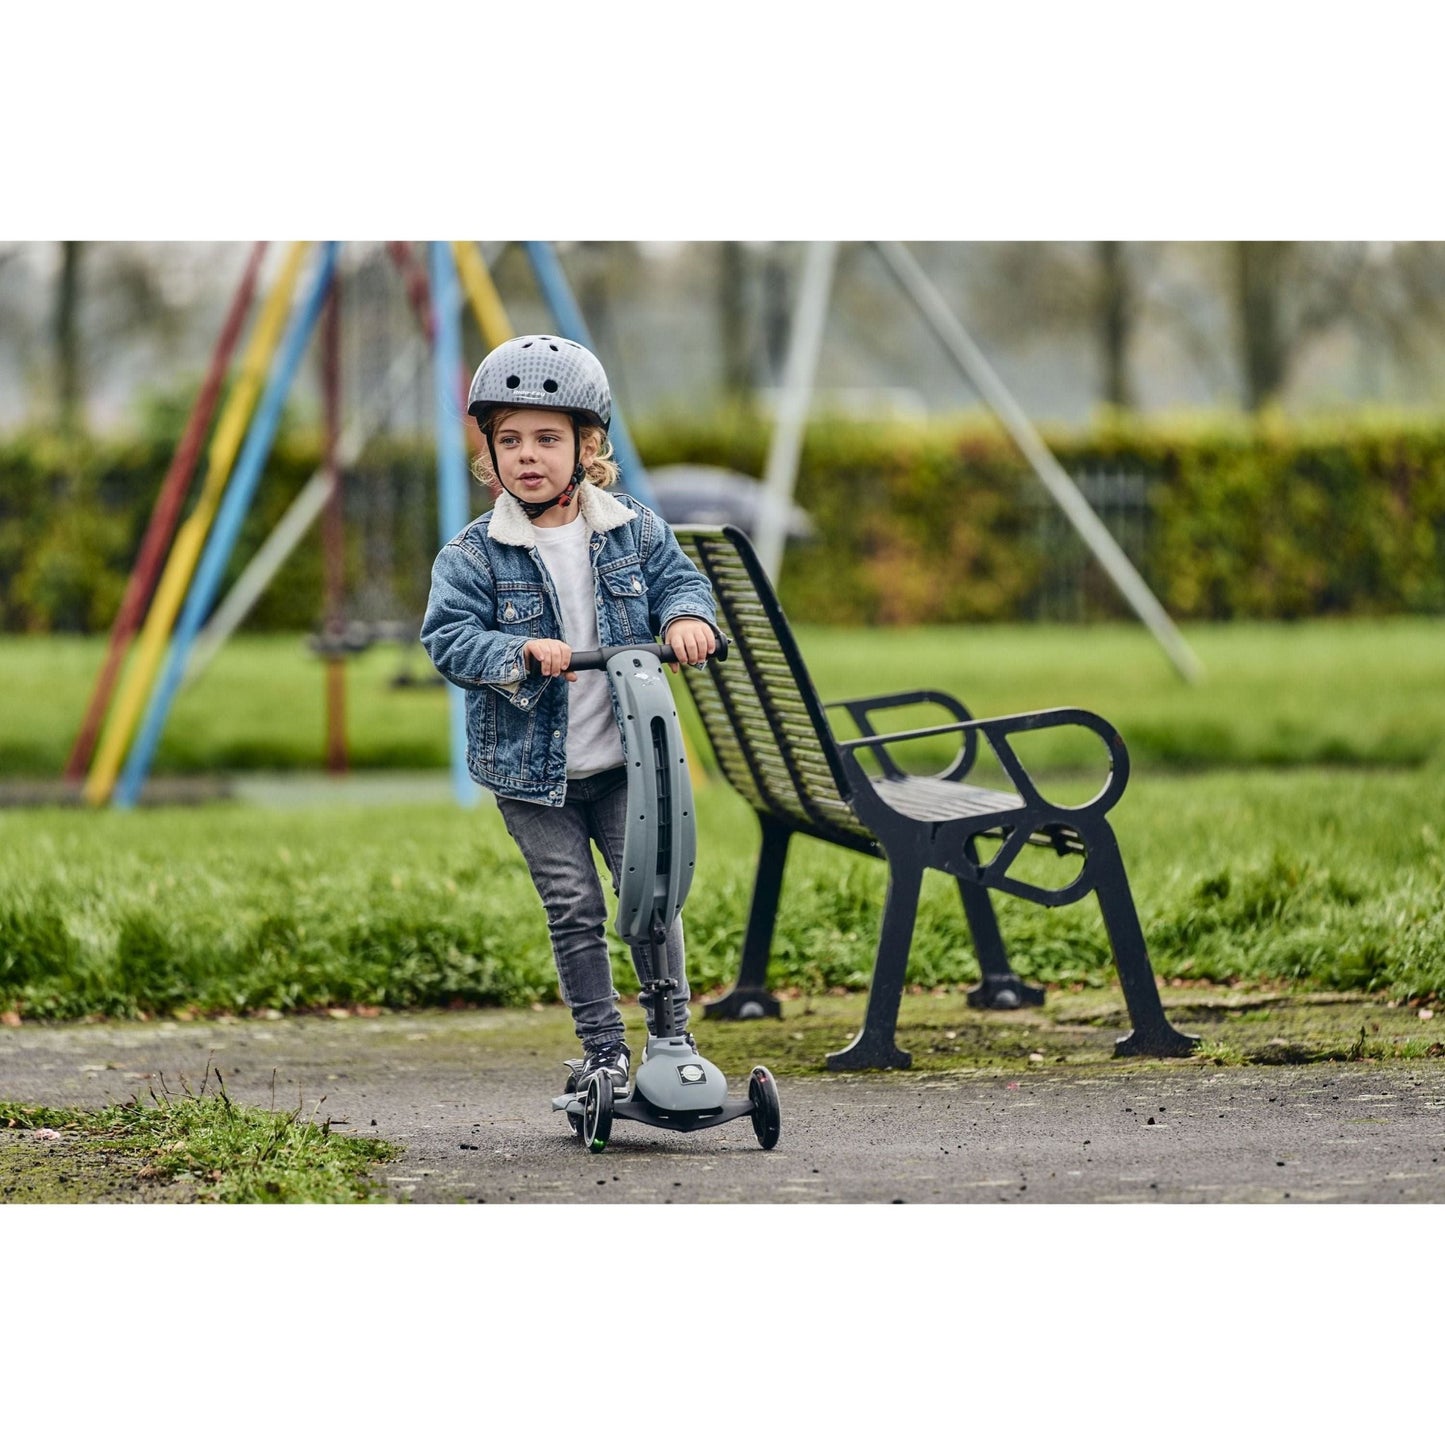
{"x": 1243, "y": 519}
{"x": 73, "y": 516}
{"x": 941, "y": 521}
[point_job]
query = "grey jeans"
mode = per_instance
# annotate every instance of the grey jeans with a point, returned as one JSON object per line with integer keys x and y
{"x": 557, "y": 846}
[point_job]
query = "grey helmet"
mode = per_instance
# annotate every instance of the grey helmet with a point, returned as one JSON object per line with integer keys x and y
{"x": 542, "y": 371}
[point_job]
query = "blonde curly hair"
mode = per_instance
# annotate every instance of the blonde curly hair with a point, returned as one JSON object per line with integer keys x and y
{"x": 601, "y": 471}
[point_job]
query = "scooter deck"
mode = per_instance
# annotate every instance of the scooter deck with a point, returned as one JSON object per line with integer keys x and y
{"x": 640, "y": 1111}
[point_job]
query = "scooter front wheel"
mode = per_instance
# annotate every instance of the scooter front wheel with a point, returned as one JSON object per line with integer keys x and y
{"x": 767, "y": 1116}
{"x": 597, "y": 1112}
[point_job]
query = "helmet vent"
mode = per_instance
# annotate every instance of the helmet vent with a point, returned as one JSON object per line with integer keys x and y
{"x": 542, "y": 371}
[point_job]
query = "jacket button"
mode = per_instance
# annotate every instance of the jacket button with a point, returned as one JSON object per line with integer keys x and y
{"x": 522, "y": 702}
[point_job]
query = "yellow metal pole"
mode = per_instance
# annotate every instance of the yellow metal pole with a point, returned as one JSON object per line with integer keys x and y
{"x": 486, "y": 304}
{"x": 171, "y": 592}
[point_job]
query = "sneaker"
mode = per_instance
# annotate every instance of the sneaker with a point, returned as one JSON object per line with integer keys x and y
{"x": 615, "y": 1058}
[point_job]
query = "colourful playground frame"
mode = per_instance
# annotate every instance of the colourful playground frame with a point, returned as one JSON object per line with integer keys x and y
{"x": 174, "y": 584}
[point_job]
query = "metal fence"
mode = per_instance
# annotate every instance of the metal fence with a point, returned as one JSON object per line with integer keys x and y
{"x": 1073, "y": 587}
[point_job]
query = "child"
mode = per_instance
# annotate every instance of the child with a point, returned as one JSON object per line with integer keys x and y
{"x": 560, "y": 564}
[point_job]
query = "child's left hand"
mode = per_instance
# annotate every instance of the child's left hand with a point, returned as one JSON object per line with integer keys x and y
{"x": 691, "y": 639}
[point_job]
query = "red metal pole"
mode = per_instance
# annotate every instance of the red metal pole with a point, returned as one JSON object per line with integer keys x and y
{"x": 332, "y": 532}
{"x": 162, "y": 525}
{"x": 418, "y": 292}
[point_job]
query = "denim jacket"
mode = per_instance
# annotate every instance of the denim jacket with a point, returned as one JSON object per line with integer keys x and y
{"x": 490, "y": 592}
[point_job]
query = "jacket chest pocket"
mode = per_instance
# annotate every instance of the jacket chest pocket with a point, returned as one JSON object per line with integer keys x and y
{"x": 519, "y": 609}
{"x": 624, "y": 594}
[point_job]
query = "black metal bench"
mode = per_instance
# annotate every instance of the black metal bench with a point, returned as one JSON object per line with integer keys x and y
{"x": 772, "y": 740}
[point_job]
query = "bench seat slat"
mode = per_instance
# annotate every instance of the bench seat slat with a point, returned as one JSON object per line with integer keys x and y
{"x": 931, "y": 800}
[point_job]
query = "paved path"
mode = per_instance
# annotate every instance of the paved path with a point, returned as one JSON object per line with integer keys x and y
{"x": 476, "y": 1124}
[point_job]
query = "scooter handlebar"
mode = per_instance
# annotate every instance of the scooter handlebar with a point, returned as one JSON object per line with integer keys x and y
{"x": 597, "y": 659}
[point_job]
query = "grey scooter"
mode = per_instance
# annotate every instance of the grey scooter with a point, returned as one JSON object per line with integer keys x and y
{"x": 675, "y": 1086}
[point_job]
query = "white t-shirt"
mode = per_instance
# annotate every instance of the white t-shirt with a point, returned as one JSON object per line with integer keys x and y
{"x": 594, "y": 743}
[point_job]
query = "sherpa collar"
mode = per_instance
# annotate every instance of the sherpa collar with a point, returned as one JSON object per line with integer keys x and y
{"x": 601, "y": 511}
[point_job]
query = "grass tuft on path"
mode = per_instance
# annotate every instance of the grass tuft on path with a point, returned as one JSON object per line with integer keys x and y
{"x": 223, "y": 1152}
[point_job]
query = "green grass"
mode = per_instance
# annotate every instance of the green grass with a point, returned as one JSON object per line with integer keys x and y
{"x": 1356, "y": 693}
{"x": 221, "y": 1152}
{"x": 1277, "y": 695}
{"x": 260, "y": 705}
{"x": 1313, "y": 878}
{"x": 1281, "y": 827}
{"x": 1078, "y": 1028}
{"x": 229, "y": 909}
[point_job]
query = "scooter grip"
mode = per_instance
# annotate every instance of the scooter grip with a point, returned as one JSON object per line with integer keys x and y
{"x": 718, "y": 654}
{"x": 596, "y": 659}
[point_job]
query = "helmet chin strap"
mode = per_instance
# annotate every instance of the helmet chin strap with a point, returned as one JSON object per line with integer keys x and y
{"x": 564, "y": 497}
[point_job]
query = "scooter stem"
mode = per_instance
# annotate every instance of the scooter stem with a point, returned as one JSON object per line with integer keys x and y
{"x": 661, "y": 989}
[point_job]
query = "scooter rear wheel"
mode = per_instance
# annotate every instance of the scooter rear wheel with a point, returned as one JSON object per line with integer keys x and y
{"x": 597, "y": 1112}
{"x": 767, "y": 1116}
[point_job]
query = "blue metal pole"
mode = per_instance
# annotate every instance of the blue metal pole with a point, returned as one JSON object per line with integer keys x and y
{"x": 451, "y": 471}
{"x": 558, "y": 295}
{"x": 230, "y": 517}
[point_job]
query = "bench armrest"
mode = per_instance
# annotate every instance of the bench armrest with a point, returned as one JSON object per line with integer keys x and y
{"x": 861, "y": 710}
{"x": 997, "y": 731}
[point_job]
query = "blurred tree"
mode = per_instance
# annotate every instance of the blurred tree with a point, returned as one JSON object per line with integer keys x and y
{"x": 777, "y": 316}
{"x": 88, "y": 327}
{"x": 605, "y": 275}
{"x": 107, "y": 297}
{"x": 1388, "y": 296}
{"x": 1259, "y": 268}
{"x": 17, "y": 339}
{"x": 1246, "y": 313}
{"x": 1032, "y": 288}
{"x": 733, "y": 323}
{"x": 69, "y": 404}
{"x": 1404, "y": 288}
{"x": 1116, "y": 317}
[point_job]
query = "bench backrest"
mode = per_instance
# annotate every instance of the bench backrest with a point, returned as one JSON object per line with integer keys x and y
{"x": 760, "y": 709}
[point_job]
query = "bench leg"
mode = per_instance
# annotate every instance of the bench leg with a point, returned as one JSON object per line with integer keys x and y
{"x": 1001, "y": 988}
{"x": 1152, "y": 1033}
{"x": 874, "y": 1048}
{"x": 749, "y": 997}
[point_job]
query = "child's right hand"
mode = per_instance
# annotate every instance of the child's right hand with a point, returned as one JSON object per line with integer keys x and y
{"x": 550, "y": 655}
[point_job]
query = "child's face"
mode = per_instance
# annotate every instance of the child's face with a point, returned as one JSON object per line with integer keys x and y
{"x": 535, "y": 453}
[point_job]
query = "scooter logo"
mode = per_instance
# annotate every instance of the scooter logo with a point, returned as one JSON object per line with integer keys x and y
{"x": 643, "y": 677}
{"x": 691, "y": 1073}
